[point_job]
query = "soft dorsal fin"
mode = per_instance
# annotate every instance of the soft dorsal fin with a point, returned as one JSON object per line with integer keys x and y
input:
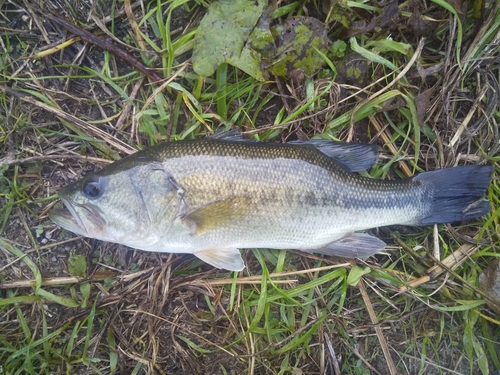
{"x": 355, "y": 156}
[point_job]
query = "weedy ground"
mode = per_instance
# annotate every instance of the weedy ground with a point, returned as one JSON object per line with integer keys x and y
{"x": 418, "y": 78}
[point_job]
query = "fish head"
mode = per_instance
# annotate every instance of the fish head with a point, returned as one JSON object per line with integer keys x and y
{"x": 120, "y": 207}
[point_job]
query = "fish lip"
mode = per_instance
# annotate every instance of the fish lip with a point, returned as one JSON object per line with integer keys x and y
{"x": 78, "y": 226}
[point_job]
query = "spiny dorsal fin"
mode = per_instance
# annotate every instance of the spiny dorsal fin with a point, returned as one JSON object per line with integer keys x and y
{"x": 233, "y": 135}
{"x": 355, "y": 156}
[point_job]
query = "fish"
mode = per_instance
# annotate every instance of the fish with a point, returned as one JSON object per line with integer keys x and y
{"x": 212, "y": 197}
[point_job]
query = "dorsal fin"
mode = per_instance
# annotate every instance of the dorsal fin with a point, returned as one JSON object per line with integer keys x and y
{"x": 230, "y": 135}
{"x": 355, "y": 156}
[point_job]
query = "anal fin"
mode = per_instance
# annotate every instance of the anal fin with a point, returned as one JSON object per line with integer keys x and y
{"x": 228, "y": 258}
{"x": 352, "y": 245}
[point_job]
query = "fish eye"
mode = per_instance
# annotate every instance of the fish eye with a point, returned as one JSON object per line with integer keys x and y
{"x": 92, "y": 187}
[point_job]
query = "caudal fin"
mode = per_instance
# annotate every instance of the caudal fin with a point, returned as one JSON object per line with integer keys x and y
{"x": 456, "y": 194}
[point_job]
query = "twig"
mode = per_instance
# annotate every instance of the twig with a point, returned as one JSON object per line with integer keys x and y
{"x": 363, "y": 359}
{"x": 436, "y": 248}
{"x": 378, "y": 329}
{"x": 335, "y": 361}
{"x": 386, "y": 139}
{"x": 52, "y": 281}
{"x": 450, "y": 263}
{"x": 279, "y": 343}
{"x": 422, "y": 260}
{"x": 31, "y": 159}
{"x": 258, "y": 278}
{"x": 465, "y": 122}
{"x": 120, "y": 123}
{"x": 106, "y": 45}
{"x": 133, "y": 24}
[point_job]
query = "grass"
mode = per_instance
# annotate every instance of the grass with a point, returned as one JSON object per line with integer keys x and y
{"x": 74, "y": 305}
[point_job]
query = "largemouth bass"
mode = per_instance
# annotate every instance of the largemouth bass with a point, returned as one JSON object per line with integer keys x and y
{"x": 212, "y": 197}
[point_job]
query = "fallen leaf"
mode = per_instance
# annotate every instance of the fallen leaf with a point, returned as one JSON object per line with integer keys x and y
{"x": 222, "y": 35}
{"x": 360, "y": 27}
{"x": 389, "y": 18}
{"x": 489, "y": 282}
{"x": 459, "y": 6}
{"x": 77, "y": 265}
{"x": 297, "y": 41}
{"x": 239, "y": 33}
{"x": 422, "y": 101}
{"x": 418, "y": 26}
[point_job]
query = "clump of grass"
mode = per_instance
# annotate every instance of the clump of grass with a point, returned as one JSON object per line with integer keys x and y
{"x": 74, "y": 305}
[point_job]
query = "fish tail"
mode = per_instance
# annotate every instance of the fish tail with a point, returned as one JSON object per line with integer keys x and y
{"x": 456, "y": 194}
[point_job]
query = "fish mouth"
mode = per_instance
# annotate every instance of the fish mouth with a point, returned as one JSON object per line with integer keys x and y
{"x": 70, "y": 219}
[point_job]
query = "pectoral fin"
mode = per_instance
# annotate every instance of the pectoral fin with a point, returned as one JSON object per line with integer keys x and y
{"x": 353, "y": 245}
{"x": 218, "y": 214}
{"x": 229, "y": 259}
